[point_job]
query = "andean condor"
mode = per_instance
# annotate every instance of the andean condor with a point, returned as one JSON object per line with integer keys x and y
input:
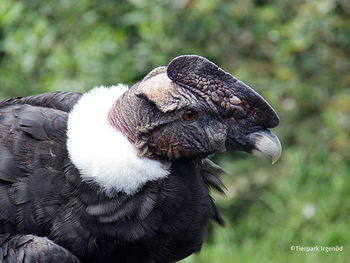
{"x": 121, "y": 175}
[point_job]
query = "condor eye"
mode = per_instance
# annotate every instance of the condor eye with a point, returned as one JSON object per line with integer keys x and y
{"x": 189, "y": 115}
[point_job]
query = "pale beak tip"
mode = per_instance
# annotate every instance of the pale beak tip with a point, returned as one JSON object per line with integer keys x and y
{"x": 277, "y": 154}
{"x": 274, "y": 160}
{"x": 267, "y": 144}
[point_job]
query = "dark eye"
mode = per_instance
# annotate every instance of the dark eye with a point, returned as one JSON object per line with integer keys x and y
{"x": 189, "y": 115}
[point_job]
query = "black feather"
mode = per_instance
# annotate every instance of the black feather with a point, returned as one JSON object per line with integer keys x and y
{"x": 32, "y": 249}
{"x": 48, "y": 210}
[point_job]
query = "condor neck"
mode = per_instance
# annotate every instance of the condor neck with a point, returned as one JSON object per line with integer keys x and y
{"x": 103, "y": 154}
{"x": 122, "y": 117}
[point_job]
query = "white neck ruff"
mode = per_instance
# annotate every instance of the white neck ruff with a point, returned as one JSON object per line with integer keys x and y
{"x": 102, "y": 154}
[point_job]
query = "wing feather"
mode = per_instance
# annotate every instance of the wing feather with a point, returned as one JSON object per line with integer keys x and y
{"x": 63, "y": 101}
{"x": 33, "y": 151}
{"x": 33, "y": 249}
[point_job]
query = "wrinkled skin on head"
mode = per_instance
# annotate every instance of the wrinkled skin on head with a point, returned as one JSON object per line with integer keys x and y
{"x": 192, "y": 108}
{"x": 186, "y": 138}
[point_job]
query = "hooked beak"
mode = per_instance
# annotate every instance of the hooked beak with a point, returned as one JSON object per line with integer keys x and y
{"x": 262, "y": 143}
{"x": 266, "y": 144}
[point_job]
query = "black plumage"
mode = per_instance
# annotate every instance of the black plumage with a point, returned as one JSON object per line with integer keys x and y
{"x": 32, "y": 249}
{"x": 42, "y": 192}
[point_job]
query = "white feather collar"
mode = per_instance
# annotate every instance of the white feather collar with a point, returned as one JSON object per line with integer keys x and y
{"x": 102, "y": 154}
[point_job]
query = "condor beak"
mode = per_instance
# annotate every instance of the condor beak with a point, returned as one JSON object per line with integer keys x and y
{"x": 262, "y": 143}
{"x": 265, "y": 144}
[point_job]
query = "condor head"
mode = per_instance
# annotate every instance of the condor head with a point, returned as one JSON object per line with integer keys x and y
{"x": 192, "y": 108}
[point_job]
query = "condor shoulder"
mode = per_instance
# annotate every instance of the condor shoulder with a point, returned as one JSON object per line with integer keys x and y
{"x": 32, "y": 136}
{"x": 63, "y": 101}
{"x": 32, "y": 160}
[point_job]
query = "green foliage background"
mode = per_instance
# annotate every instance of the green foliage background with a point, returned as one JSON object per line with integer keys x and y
{"x": 295, "y": 53}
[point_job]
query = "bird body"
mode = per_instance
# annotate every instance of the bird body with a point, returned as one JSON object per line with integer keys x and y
{"x": 122, "y": 175}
